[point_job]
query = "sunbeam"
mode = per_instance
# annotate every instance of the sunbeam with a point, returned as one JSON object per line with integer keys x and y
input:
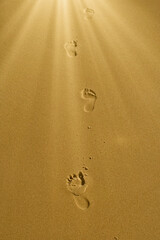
{"x": 79, "y": 119}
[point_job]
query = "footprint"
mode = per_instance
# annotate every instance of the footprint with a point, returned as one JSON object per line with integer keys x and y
{"x": 81, "y": 202}
{"x": 90, "y": 97}
{"x": 71, "y": 48}
{"x": 88, "y": 13}
{"x": 77, "y": 185}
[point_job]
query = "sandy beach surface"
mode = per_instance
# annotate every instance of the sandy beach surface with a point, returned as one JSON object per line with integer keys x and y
{"x": 79, "y": 120}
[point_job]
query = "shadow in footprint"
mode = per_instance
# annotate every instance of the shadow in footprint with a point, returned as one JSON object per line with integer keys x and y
{"x": 90, "y": 97}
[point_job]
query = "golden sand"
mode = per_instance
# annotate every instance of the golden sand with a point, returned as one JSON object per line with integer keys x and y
{"x": 79, "y": 120}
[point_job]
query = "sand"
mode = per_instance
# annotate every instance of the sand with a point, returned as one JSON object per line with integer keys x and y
{"x": 80, "y": 120}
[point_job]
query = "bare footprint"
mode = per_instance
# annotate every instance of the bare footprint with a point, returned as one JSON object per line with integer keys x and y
{"x": 71, "y": 48}
{"x": 77, "y": 185}
{"x": 81, "y": 202}
{"x": 90, "y": 97}
{"x": 88, "y": 13}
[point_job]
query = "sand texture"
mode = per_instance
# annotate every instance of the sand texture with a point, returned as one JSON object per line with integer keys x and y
{"x": 79, "y": 120}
